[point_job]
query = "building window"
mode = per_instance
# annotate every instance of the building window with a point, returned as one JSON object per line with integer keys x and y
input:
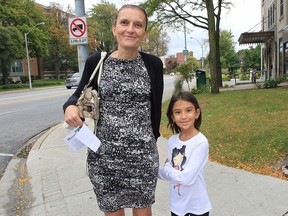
{"x": 281, "y": 57}
{"x": 281, "y": 8}
{"x": 285, "y": 45}
{"x": 271, "y": 17}
{"x": 17, "y": 68}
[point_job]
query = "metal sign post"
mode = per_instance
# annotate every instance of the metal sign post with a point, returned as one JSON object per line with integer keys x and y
{"x": 80, "y": 35}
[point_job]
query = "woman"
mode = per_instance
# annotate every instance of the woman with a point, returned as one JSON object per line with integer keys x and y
{"x": 124, "y": 169}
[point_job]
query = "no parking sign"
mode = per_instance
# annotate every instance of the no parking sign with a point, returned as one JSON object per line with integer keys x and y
{"x": 78, "y": 31}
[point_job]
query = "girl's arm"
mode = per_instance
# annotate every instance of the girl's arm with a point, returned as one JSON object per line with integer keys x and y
{"x": 161, "y": 173}
{"x": 193, "y": 166}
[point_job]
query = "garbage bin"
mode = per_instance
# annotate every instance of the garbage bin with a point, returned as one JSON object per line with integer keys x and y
{"x": 200, "y": 78}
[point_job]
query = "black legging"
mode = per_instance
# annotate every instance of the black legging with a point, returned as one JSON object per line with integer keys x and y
{"x": 189, "y": 214}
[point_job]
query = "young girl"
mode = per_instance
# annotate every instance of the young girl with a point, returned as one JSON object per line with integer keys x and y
{"x": 187, "y": 156}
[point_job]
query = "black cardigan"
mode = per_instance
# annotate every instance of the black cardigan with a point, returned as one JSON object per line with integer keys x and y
{"x": 154, "y": 67}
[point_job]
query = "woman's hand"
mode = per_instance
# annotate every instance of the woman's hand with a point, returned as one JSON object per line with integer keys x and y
{"x": 72, "y": 117}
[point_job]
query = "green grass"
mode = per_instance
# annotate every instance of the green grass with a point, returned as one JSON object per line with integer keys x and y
{"x": 35, "y": 84}
{"x": 246, "y": 129}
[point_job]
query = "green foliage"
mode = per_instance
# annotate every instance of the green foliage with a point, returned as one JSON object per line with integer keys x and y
{"x": 36, "y": 83}
{"x": 157, "y": 40}
{"x": 186, "y": 72}
{"x": 61, "y": 56}
{"x": 270, "y": 84}
{"x": 24, "y": 79}
{"x": 193, "y": 62}
{"x": 178, "y": 84}
{"x": 228, "y": 57}
{"x": 225, "y": 77}
{"x": 251, "y": 57}
{"x": 18, "y": 17}
{"x": 244, "y": 76}
{"x": 102, "y": 18}
{"x": 201, "y": 89}
{"x": 281, "y": 79}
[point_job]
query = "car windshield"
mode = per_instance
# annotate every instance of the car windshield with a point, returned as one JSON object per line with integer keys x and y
{"x": 75, "y": 75}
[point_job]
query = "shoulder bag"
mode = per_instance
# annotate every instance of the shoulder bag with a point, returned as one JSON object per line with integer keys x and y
{"x": 88, "y": 102}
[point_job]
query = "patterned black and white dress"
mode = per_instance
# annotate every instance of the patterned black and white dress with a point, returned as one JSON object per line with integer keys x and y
{"x": 124, "y": 169}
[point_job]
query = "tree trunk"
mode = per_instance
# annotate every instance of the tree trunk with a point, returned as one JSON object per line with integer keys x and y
{"x": 213, "y": 47}
{"x": 57, "y": 69}
{"x": 218, "y": 63}
{"x": 4, "y": 69}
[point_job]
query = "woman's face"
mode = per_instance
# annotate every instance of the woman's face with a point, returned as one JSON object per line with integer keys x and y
{"x": 129, "y": 29}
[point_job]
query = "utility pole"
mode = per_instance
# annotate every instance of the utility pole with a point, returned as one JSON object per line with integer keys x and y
{"x": 202, "y": 47}
{"x": 82, "y": 48}
{"x": 27, "y": 52}
{"x": 185, "y": 52}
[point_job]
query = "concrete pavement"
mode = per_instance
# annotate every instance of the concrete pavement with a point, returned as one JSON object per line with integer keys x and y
{"x": 53, "y": 181}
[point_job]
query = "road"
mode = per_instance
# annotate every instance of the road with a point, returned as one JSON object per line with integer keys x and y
{"x": 24, "y": 114}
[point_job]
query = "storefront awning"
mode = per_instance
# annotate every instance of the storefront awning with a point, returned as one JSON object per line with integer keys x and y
{"x": 255, "y": 37}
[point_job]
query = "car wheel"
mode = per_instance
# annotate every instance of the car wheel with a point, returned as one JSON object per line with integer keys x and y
{"x": 68, "y": 87}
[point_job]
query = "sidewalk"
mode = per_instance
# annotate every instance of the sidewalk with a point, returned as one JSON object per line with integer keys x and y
{"x": 56, "y": 184}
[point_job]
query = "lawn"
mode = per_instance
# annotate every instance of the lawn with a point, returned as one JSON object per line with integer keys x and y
{"x": 246, "y": 129}
{"x": 35, "y": 84}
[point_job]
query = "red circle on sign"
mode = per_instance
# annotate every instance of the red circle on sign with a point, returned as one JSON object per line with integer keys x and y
{"x": 78, "y": 27}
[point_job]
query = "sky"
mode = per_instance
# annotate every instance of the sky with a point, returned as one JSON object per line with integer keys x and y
{"x": 243, "y": 17}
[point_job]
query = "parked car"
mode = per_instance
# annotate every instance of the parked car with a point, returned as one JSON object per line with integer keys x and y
{"x": 72, "y": 81}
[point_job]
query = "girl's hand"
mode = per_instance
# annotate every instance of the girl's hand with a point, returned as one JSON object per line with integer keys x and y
{"x": 72, "y": 117}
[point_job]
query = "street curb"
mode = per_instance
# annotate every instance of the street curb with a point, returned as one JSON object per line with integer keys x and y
{"x": 42, "y": 138}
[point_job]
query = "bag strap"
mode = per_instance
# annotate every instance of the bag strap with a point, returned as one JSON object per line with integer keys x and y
{"x": 99, "y": 65}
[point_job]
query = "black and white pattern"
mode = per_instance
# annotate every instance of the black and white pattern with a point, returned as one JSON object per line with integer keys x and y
{"x": 124, "y": 169}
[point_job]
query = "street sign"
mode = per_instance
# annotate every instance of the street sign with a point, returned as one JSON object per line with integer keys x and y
{"x": 78, "y": 31}
{"x": 185, "y": 52}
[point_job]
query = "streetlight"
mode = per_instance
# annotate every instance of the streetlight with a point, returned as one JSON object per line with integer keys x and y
{"x": 202, "y": 45}
{"x": 27, "y": 52}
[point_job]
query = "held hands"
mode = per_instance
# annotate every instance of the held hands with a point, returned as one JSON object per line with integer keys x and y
{"x": 166, "y": 161}
{"x": 72, "y": 116}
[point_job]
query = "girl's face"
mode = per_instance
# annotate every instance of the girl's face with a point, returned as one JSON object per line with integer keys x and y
{"x": 184, "y": 114}
{"x": 129, "y": 28}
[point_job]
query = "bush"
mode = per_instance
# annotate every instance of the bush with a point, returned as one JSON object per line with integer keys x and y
{"x": 225, "y": 77}
{"x": 281, "y": 79}
{"x": 24, "y": 79}
{"x": 178, "y": 84}
{"x": 270, "y": 84}
{"x": 244, "y": 76}
{"x": 201, "y": 89}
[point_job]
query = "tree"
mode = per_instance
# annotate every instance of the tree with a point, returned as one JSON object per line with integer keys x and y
{"x": 10, "y": 49}
{"x": 101, "y": 21}
{"x": 191, "y": 60}
{"x": 172, "y": 13}
{"x": 227, "y": 50}
{"x": 157, "y": 40}
{"x": 251, "y": 57}
{"x": 62, "y": 56}
{"x": 186, "y": 72}
{"x": 16, "y": 18}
